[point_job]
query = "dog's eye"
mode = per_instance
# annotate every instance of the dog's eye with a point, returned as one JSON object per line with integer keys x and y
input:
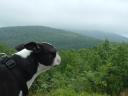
{"x": 53, "y": 54}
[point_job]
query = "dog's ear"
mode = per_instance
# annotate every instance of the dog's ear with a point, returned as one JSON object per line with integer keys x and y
{"x": 19, "y": 47}
{"x": 32, "y": 46}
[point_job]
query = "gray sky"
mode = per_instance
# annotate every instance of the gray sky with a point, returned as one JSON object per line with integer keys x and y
{"x": 106, "y": 15}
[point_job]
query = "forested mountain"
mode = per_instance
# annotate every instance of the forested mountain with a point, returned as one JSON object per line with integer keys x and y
{"x": 62, "y": 39}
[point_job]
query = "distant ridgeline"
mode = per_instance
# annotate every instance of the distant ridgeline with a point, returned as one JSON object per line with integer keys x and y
{"x": 13, "y": 36}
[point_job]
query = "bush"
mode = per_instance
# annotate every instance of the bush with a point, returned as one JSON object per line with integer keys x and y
{"x": 6, "y": 49}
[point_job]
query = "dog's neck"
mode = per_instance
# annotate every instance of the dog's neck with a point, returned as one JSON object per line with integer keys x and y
{"x": 41, "y": 69}
{"x": 28, "y": 63}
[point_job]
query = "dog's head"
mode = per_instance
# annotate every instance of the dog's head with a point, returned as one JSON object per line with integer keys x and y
{"x": 45, "y": 53}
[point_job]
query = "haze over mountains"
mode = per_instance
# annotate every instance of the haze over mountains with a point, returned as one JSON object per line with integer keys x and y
{"x": 13, "y": 36}
{"x": 103, "y": 35}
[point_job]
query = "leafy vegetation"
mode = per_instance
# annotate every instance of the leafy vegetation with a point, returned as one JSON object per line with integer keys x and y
{"x": 5, "y": 49}
{"x": 62, "y": 39}
{"x": 97, "y": 71}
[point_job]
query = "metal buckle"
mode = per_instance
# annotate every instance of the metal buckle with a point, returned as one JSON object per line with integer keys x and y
{"x": 10, "y": 64}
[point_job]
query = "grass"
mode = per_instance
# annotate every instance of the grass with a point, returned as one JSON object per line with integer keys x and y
{"x": 63, "y": 92}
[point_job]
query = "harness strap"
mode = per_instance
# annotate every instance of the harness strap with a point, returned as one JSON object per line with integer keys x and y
{"x": 10, "y": 64}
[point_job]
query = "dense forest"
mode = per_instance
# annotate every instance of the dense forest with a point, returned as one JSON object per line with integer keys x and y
{"x": 97, "y": 71}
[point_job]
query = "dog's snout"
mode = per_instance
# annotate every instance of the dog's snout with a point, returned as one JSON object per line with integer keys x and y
{"x": 57, "y": 60}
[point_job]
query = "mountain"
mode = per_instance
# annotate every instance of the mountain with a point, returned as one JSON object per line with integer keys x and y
{"x": 104, "y": 35}
{"x": 13, "y": 36}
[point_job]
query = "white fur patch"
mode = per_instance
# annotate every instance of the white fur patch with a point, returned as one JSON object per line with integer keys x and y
{"x": 20, "y": 93}
{"x": 57, "y": 59}
{"x": 24, "y": 53}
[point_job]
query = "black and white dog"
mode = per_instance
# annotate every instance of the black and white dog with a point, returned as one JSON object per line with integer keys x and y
{"x": 18, "y": 72}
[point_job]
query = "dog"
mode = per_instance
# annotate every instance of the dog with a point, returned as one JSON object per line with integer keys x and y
{"x": 18, "y": 71}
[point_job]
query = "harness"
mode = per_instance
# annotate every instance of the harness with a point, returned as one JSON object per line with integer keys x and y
{"x": 9, "y": 64}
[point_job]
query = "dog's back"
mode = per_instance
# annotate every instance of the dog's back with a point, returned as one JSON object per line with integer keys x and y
{"x": 7, "y": 79}
{"x": 10, "y": 80}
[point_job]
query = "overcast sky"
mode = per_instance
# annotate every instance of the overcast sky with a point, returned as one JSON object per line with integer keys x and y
{"x": 103, "y": 15}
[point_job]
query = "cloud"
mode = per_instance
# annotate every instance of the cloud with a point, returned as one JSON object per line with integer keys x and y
{"x": 106, "y": 15}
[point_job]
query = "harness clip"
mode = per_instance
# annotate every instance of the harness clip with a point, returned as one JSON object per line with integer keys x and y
{"x": 10, "y": 64}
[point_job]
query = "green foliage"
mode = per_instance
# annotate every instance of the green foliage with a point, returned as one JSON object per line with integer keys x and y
{"x": 86, "y": 72}
{"x": 102, "y": 69}
{"x": 6, "y": 49}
